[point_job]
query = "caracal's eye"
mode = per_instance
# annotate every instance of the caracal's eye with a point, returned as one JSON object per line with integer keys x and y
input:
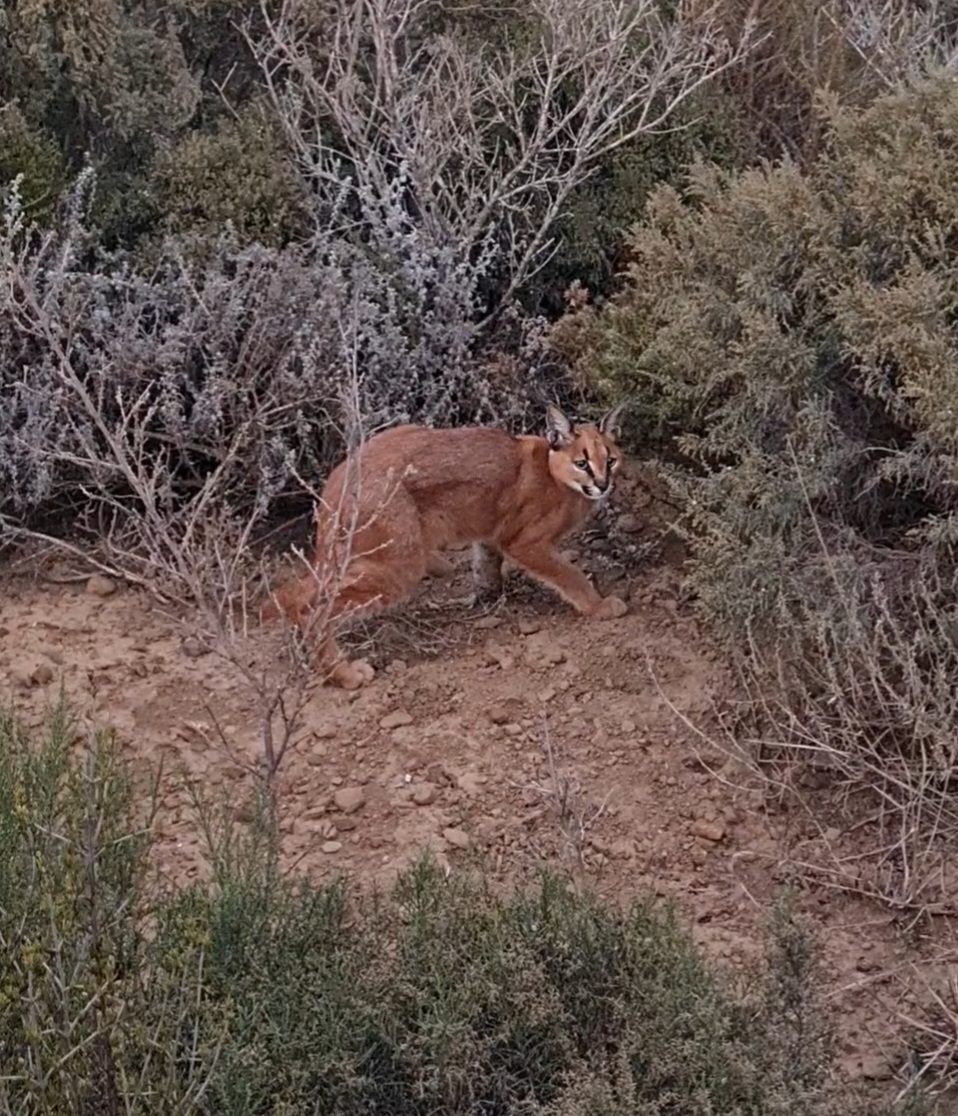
{"x": 612, "y": 462}
{"x": 581, "y": 463}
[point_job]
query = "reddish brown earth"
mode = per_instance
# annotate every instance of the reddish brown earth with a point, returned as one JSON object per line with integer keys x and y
{"x": 472, "y": 732}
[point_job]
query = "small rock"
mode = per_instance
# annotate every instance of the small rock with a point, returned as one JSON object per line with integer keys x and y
{"x": 396, "y": 719}
{"x": 470, "y": 782}
{"x": 709, "y": 830}
{"x": 100, "y": 586}
{"x": 499, "y": 715}
{"x": 529, "y": 627}
{"x": 874, "y": 1066}
{"x": 631, "y": 524}
{"x": 832, "y": 835}
{"x": 349, "y": 799}
{"x": 41, "y": 674}
{"x": 542, "y": 652}
{"x": 193, "y": 648}
{"x": 487, "y": 623}
{"x": 330, "y": 847}
{"x": 424, "y": 794}
{"x": 547, "y": 695}
{"x": 458, "y": 838}
{"x": 499, "y": 656}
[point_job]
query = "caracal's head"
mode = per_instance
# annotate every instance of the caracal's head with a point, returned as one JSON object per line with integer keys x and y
{"x": 583, "y": 457}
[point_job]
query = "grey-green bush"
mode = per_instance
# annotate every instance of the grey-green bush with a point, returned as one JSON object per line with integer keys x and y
{"x": 257, "y": 993}
{"x": 791, "y": 343}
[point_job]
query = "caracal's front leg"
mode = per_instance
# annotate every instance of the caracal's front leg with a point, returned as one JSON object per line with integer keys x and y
{"x": 544, "y": 564}
{"x": 486, "y": 570}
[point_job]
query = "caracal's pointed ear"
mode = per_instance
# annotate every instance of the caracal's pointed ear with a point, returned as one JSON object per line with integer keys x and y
{"x": 558, "y": 427}
{"x": 609, "y": 423}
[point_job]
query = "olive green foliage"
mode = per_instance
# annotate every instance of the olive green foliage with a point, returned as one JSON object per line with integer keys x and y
{"x": 238, "y": 174}
{"x": 117, "y": 85}
{"x": 792, "y": 336}
{"x": 256, "y": 993}
{"x": 32, "y": 156}
{"x": 593, "y": 232}
{"x": 789, "y": 340}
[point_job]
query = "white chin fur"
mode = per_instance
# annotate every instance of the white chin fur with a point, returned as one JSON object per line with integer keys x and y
{"x": 591, "y": 493}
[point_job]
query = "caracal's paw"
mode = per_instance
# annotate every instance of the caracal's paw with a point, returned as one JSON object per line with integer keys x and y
{"x": 351, "y": 676}
{"x": 610, "y": 608}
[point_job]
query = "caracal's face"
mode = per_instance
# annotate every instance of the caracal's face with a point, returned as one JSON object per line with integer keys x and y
{"x": 585, "y": 458}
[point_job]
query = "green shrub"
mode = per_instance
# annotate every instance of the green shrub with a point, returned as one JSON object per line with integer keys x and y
{"x": 255, "y": 993}
{"x": 791, "y": 336}
{"x": 238, "y": 175}
{"x": 33, "y": 156}
{"x": 791, "y": 342}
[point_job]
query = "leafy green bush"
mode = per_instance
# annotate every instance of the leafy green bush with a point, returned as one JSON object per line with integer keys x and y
{"x": 791, "y": 336}
{"x": 239, "y": 175}
{"x": 255, "y": 993}
{"x": 34, "y": 157}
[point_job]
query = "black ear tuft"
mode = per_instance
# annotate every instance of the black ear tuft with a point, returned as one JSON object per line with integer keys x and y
{"x": 609, "y": 423}
{"x": 559, "y": 429}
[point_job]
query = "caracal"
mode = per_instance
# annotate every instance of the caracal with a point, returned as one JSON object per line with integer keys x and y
{"x": 387, "y": 510}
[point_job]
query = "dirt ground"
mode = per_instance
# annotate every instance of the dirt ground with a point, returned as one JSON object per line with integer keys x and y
{"x": 516, "y": 738}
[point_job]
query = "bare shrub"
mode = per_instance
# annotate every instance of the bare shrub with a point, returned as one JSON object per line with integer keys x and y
{"x": 482, "y": 143}
{"x": 859, "y": 688}
{"x": 854, "y": 50}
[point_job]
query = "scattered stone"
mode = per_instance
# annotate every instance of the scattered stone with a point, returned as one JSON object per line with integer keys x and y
{"x": 874, "y": 1066}
{"x": 631, "y": 524}
{"x": 499, "y": 714}
{"x": 487, "y": 623}
{"x": 41, "y": 674}
{"x": 547, "y": 695}
{"x": 541, "y": 651}
{"x": 832, "y": 835}
{"x": 349, "y": 799}
{"x": 529, "y": 627}
{"x": 424, "y": 794}
{"x": 193, "y": 648}
{"x": 708, "y": 830}
{"x": 100, "y": 586}
{"x": 396, "y": 719}
{"x": 458, "y": 838}
{"x": 325, "y": 732}
{"x": 499, "y": 656}
{"x": 330, "y": 847}
{"x": 470, "y": 782}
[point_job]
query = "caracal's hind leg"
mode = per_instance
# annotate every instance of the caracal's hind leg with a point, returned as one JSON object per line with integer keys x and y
{"x": 372, "y": 584}
{"x": 486, "y": 571}
{"x": 438, "y": 566}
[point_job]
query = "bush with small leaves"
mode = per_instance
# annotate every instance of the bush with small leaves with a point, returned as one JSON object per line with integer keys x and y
{"x": 789, "y": 338}
{"x": 258, "y": 993}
